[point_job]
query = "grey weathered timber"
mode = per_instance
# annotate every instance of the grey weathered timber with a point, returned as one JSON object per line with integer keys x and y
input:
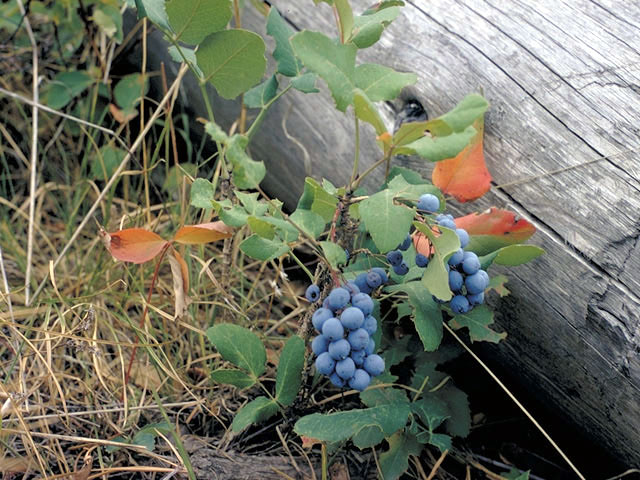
{"x": 564, "y": 85}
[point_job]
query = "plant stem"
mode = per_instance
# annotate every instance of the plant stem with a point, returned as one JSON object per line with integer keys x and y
{"x": 356, "y": 182}
{"x": 256, "y": 123}
{"x": 356, "y": 153}
{"x": 324, "y": 461}
{"x": 302, "y": 266}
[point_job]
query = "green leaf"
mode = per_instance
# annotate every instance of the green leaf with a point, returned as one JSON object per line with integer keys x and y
{"x": 378, "y": 422}
{"x": 431, "y": 410}
{"x": 461, "y": 117}
{"x": 387, "y": 223}
{"x": 374, "y": 397}
{"x": 260, "y": 227}
{"x": 478, "y": 321}
{"x": 515, "y": 474}
{"x": 436, "y": 149}
{"x": 256, "y": 411}
{"x": 335, "y": 63}
{"x": 401, "y": 188}
{"x": 232, "y": 215}
{"x": 155, "y": 11}
{"x": 334, "y": 254}
{"x": 260, "y": 95}
{"x": 64, "y": 87}
{"x": 310, "y": 222}
{"x": 497, "y": 283}
{"x": 366, "y": 111}
{"x": 395, "y": 461}
{"x": 306, "y": 83}
{"x": 381, "y": 83}
{"x": 318, "y": 200}
{"x": 144, "y": 439}
{"x": 426, "y": 313}
{"x": 105, "y": 161}
{"x": 289, "y": 374}
{"x": 176, "y": 176}
{"x": 280, "y": 30}
{"x": 193, "y": 20}
{"x": 229, "y": 376}
{"x": 247, "y": 173}
{"x": 189, "y": 55}
{"x": 459, "y": 421}
{"x": 511, "y": 255}
{"x": 368, "y": 27}
{"x": 232, "y": 60}
{"x": 216, "y": 133}
{"x": 409, "y": 132}
{"x": 263, "y": 249}
{"x": 251, "y": 203}
{"x": 345, "y": 18}
{"x": 239, "y": 346}
{"x": 129, "y": 90}
{"x": 109, "y": 19}
{"x": 436, "y": 277}
{"x": 202, "y": 193}
{"x": 426, "y": 375}
{"x": 397, "y": 352}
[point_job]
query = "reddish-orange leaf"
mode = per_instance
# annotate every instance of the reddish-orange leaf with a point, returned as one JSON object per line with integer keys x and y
{"x": 465, "y": 176}
{"x": 422, "y": 244}
{"x": 135, "y": 245}
{"x": 203, "y": 233}
{"x": 308, "y": 442}
{"x": 495, "y": 228}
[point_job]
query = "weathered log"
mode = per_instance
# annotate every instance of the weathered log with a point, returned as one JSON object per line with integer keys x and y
{"x": 560, "y": 140}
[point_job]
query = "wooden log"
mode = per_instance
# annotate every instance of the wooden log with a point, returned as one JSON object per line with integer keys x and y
{"x": 561, "y": 141}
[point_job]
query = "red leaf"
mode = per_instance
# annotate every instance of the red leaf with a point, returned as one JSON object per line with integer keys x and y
{"x": 135, "y": 245}
{"x": 202, "y": 233}
{"x": 494, "y": 229}
{"x": 465, "y": 176}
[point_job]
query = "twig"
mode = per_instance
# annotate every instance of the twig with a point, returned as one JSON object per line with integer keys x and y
{"x": 159, "y": 109}
{"x": 6, "y": 286}
{"x": 515, "y": 400}
{"x": 34, "y": 152}
{"x": 436, "y": 467}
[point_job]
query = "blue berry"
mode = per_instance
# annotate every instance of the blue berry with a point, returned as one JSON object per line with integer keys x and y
{"x": 361, "y": 282}
{"x": 383, "y": 275}
{"x": 363, "y": 302}
{"x": 459, "y": 304}
{"x": 360, "y": 380}
{"x": 370, "y": 325}
{"x": 371, "y": 347}
{"x": 373, "y": 280}
{"x": 463, "y": 236}
{"x": 325, "y": 364}
{"x": 320, "y": 316}
{"x": 477, "y": 282}
{"x": 358, "y": 339}
{"x": 406, "y": 243}
{"x": 352, "y": 287}
{"x": 428, "y": 203}
{"x": 394, "y": 257}
{"x": 337, "y": 381}
{"x": 358, "y": 357}
{"x": 338, "y": 298}
{"x": 401, "y": 269}
{"x": 333, "y": 329}
{"x": 443, "y": 217}
{"x": 346, "y": 368}
{"x": 339, "y": 350}
{"x": 352, "y": 318}
{"x": 313, "y": 293}
{"x": 374, "y": 365}
{"x": 447, "y": 223}
{"x": 422, "y": 260}
{"x": 455, "y": 281}
{"x": 325, "y": 303}
{"x": 471, "y": 263}
{"x": 456, "y": 258}
{"x": 320, "y": 344}
{"x": 476, "y": 299}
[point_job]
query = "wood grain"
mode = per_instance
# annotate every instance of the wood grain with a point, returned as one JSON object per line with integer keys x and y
{"x": 563, "y": 79}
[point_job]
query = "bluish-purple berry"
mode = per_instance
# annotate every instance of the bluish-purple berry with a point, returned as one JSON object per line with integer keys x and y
{"x": 346, "y": 368}
{"x": 325, "y": 364}
{"x": 319, "y": 317}
{"x": 319, "y": 345}
{"x": 463, "y": 236}
{"x": 459, "y": 304}
{"x": 370, "y": 325}
{"x": 313, "y": 293}
{"x": 428, "y": 203}
{"x": 470, "y": 263}
{"x": 422, "y": 260}
{"x": 338, "y": 298}
{"x": 374, "y": 365}
{"x": 360, "y": 380}
{"x": 406, "y": 243}
{"x": 333, "y": 329}
{"x": 363, "y": 302}
{"x": 352, "y": 318}
{"x": 394, "y": 257}
{"x": 358, "y": 339}
{"x": 339, "y": 350}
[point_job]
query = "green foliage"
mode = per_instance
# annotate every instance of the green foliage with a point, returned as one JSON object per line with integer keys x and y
{"x": 511, "y": 255}
{"x": 289, "y": 375}
{"x": 64, "y": 87}
{"x": 387, "y": 222}
{"x": 260, "y": 95}
{"x": 193, "y": 20}
{"x": 239, "y": 346}
{"x": 381, "y": 83}
{"x": 395, "y": 461}
{"x": 478, "y": 322}
{"x": 256, "y": 411}
{"x": 334, "y": 254}
{"x": 129, "y": 90}
{"x": 280, "y": 30}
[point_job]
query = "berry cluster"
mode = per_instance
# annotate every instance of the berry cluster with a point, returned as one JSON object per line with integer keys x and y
{"x": 466, "y": 279}
{"x": 344, "y": 348}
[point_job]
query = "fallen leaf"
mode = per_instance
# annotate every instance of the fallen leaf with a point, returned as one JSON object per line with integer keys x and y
{"x": 180, "y": 283}
{"x": 465, "y": 176}
{"x": 16, "y": 464}
{"x": 493, "y": 229}
{"x": 308, "y": 442}
{"x": 339, "y": 471}
{"x": 203, "y": 233}
{"x": 84, "y": 472}
{"x": 135, "y": 245}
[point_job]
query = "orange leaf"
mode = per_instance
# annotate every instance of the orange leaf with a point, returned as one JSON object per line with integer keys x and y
{"x": 202, "y": 233}
{"x": 465, "y": 176}
{"x": 308, "y": 442}
{"x": 135, "y": 245}
{"x": 422, "y": 243}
